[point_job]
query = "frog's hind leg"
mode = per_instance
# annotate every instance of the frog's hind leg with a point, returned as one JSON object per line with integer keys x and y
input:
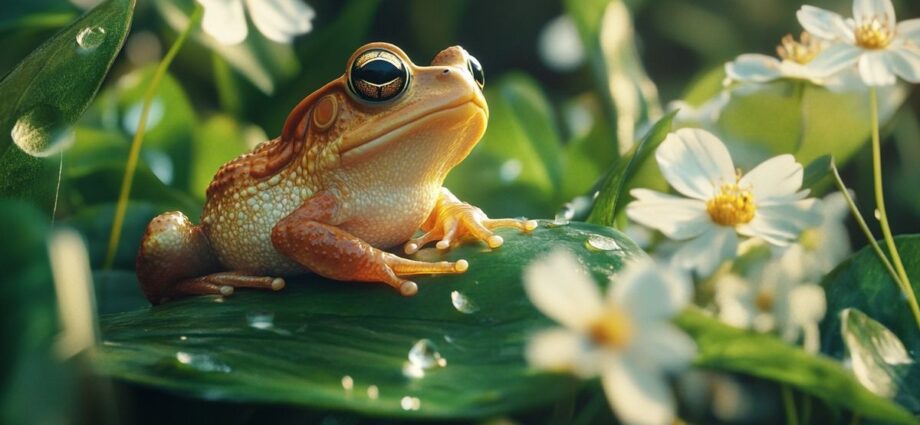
{"x": 176, "y": 260}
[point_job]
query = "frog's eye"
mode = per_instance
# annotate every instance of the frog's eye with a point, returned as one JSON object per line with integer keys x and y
{"x": 378, "y": 75}
{"x": 476, "y": 70}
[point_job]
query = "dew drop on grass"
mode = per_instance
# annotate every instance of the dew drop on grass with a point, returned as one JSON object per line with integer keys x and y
{"x": 424, "y": 354}
{"x": 202, "y": 362}
{"x": 463, "y": 303}
{"x": 373, "y": 392}
{"x": 39, "y": 131}
{"x": 410, "y": 403}
{"x": 90, "y": 37}
{"x": 348, "y": 383}
{"x": 261, "y": 320}
{"x": 601, "y": 243}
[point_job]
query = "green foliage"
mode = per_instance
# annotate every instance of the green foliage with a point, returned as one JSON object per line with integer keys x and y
{"x": 49, "y": 90}
{"x": 724, "y": 348}
{"x": 617, "y": 178}
{"x": 321, "y": 330}
{"x": 862, "y": 283}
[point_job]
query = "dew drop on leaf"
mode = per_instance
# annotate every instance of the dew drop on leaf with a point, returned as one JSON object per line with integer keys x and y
{"x": 348, "y": 383}
{"x": 424, "y": 354}
{"x": 601, "y": 243}
{"x": 202, "y": 362}
{"x": 90, "y": 37}
{"x": 39, "y": 132}
{"x": 261, "y": 320}
{"x": 373, "y": 392}
{"x": 410, "y": 403}
{"x": 463, "y": 303}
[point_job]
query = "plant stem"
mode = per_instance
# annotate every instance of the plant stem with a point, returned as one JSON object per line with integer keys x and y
{"x": 906, "y": 287}
{"x": 865, "y": 227}
{"x": 789, "y": 406}
{"x": 131, "y": 165}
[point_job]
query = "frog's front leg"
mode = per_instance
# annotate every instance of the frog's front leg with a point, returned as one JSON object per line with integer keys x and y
{"x": 309, "y": 237}
{"x": 452, "y": 220}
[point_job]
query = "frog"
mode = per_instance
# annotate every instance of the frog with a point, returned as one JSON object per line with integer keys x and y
{"x": 356, "y": 172}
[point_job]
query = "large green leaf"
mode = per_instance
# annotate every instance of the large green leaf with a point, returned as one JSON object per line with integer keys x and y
{"x": 609, "y": 200}
{"x": 297, "y": 346}
{"x": 49, "y": 90}
{"x": 863, "y": 283}
{"x": 724, "y": 348}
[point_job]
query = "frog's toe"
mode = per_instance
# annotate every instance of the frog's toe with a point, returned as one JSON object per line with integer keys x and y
{"x": 523, "y": 224}
{"x": 413, "y": 245}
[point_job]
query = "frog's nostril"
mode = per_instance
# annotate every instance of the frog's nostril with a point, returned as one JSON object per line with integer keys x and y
{"x": 446, "y": 71}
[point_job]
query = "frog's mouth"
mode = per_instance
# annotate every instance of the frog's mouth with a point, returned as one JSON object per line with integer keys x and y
{"x": 354, "y": 146}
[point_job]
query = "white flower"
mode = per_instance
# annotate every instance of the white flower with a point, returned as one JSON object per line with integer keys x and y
{"x": 625, "y": 337}
{"x": 882, "y": 48}
{"x": 719, "y": 203}
{"x": 793, "y": 58}
{"x": 819, "y": 249}
{"x": 279, "y": 20}
{"x": 772, "y": 301}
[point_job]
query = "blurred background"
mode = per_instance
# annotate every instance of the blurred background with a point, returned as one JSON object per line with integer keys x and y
{"x": 561, "y": 113}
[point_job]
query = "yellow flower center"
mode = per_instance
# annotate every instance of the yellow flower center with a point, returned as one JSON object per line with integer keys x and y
{"x": 732, "y": 205}
{"x": 876, "y": 33}
{"x": 613, "y": 329}
{"x": 810, "y": 239}
{"x": 802, "y": 51}
{"x": 764, "y": 301}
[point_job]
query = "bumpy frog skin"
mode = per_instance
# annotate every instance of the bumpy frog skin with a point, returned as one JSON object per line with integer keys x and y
{"x": 358, "y": 168}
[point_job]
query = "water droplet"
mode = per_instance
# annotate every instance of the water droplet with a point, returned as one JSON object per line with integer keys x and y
{"x": 410, "y": 403}
{"x": 348, "y": 383}
{"x": 425, "y": 355}
{"x": 877, "y": 214}
{"x": 261, "y": 320}
{"x": 373, "y": 392}
{"x": 90, "y": 37}
{"x": 602, "y": 243}
{"x": 40, "y": 131}
{"x": 202, "y": 362}
{"x": 510, "y": 170}
{"x": 463, "y": 303}
{"x": 183, "y": 338}
{"x": 413, "y": 371}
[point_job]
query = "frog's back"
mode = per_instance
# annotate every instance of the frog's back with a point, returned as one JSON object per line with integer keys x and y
{"x": 242, "y": 208}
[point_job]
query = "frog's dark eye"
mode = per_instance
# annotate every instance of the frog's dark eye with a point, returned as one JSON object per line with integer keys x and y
{"x": 476, "y": 70}
{"x": 378, "y": 75}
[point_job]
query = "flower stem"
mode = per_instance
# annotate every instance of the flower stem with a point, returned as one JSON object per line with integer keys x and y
{"x": 865, "y": 227}
{"x": 131, "y": 165}
{"x": 906, "y": 287}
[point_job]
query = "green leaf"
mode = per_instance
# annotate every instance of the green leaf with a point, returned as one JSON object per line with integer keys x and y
{"x": 219, "y": 140}
{"x": 49, "y": 90}
{"x": 878, "y": 357}
{"x": 724, "y": 348}
{"x": 816, "y": 171}
{"x": 861, "y": 282}
{"x": 617, "y": 178}
{"x": 297, "y": 346}
{"x": 606, "y": 30}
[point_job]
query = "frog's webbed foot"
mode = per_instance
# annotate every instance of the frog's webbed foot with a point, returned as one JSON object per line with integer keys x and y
{"x": 451, "y": 221}
{"x": 225, "y": 283}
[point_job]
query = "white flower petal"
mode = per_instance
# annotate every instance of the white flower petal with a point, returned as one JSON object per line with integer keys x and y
{"x": 678, "y": 218}
{"x": 807, "y": 304}
{"x": 224, "y": 20}
{"x": 909, "y": 29}
{"x": 905, "y": 62}
{"x": 834, "y": 59}
{"x": 867, "y": 10}
{"x": 663, "y": 345}
{"x": 779, "y": 224}
{"x": 649, "y": 292}
{"x": 707, "y": 251}
{"x": 281, "y": 20}
{"x": 695, "y": 162}
{"x": 875, "y": 69}
{"x": 734, "y": 296}
{"x": 753, "y": 68}
{"x": 777, "y": 179}
{"x": 562, "y": 289}
{"x": 556, "y": 349}
{"x": 638, "y": 396}
{"x": 824, "y": 24}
